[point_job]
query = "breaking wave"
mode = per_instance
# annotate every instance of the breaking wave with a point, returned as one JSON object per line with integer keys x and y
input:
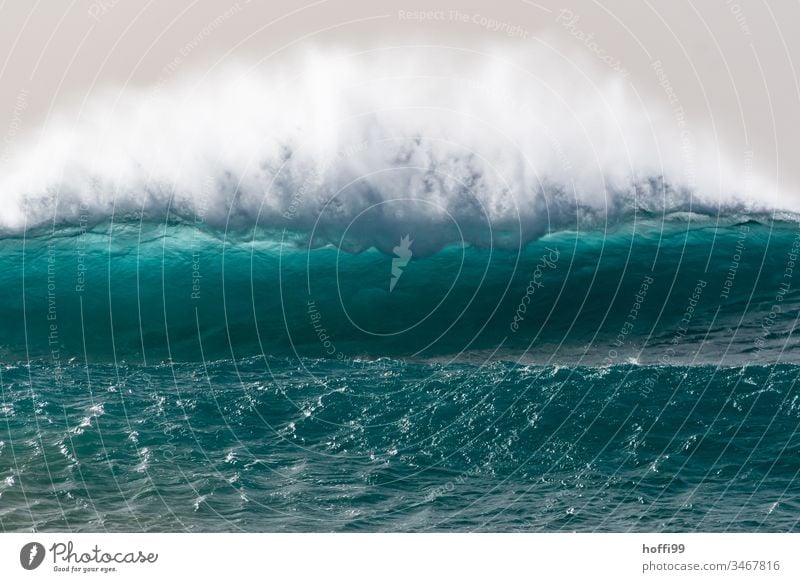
{"x": 358, "y": 150}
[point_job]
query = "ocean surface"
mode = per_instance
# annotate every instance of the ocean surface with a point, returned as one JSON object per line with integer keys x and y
{"x": 639, "y": 375}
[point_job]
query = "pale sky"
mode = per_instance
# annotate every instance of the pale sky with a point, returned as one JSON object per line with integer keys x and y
{"x": 727, "y": 65}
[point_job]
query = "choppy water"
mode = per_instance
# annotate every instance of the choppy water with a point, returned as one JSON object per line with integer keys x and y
{"x": 170, "y": 379}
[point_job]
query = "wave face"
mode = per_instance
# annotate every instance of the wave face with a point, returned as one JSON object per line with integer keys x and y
{"x": 683, "y": 290}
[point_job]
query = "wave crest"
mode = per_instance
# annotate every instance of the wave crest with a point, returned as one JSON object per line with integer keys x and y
{"x": 359, "y": 150}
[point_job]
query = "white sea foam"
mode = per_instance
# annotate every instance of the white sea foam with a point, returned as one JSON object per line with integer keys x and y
{"x": 371, "y": 148}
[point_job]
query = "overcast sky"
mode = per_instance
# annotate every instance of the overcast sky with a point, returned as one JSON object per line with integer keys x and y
{"x": 727, "y": 65}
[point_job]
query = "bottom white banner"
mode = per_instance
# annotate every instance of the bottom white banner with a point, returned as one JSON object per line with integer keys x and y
{"x": 355, "y": 557}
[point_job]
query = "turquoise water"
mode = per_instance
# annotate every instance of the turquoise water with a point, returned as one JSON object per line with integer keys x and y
{"x": 172, "y": 377}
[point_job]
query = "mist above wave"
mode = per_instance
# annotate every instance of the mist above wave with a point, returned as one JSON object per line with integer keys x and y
{"x": 360, "y": 150}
